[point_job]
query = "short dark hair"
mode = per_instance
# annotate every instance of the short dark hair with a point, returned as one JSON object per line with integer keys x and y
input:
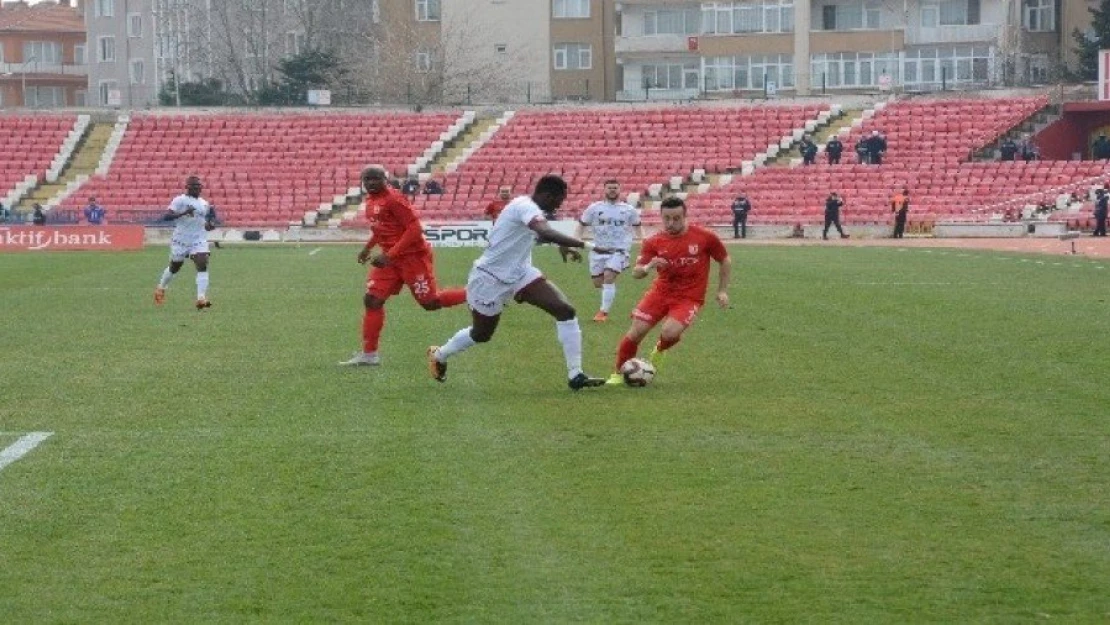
{"x": 612, "y": 181}
{"x": 552, "y": 185}
{"x": 673, "y": 202}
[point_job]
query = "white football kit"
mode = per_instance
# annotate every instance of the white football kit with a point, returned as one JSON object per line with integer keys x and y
{"x": 505, "y": 267}
{"x": 612, "y": 225}
{"x": 189, "y": 236}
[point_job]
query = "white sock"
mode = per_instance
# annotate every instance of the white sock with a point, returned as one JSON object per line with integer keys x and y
{"x": 167, "y": 275}
{"x": 570, "y": 335}
{"x": 458, "y": 343}
{"x": 608, "y": 294}
{"x": 202, "y": 284}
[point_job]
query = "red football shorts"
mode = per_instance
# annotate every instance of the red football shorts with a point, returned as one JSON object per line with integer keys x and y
{"x": 655, "y": 306}
{"x": 415, "y": 270}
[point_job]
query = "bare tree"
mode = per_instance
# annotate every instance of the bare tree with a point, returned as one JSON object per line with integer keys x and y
{"x": 247, "y": 42}
{"x": 448, "y": 62}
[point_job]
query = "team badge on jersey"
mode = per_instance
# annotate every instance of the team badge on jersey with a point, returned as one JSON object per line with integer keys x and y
{"x": 693, "y": 250}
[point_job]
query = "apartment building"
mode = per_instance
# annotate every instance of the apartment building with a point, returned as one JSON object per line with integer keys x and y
{"x": 500, "y": 50}
{"x": 42, "y": 55}
{"x": 141, "y": 48}
{"x": 681, "y": 49}
{"x": 458, "y": 51}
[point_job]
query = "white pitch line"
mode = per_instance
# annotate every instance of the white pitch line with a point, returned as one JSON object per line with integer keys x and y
{"x": 22, "y": 447}
{"x": 313, "y": 252}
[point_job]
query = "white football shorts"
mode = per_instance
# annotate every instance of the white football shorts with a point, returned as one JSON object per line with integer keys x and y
{"x": 616, "y": 262}
{"x": 180, "y": 250}
{"x": 487, "y": 295}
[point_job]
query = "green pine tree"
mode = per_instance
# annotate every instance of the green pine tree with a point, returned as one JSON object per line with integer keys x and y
{"x": 1087, "y": 47}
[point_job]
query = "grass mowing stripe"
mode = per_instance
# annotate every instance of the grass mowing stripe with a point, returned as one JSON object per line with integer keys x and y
{"x": 22, "y": 447}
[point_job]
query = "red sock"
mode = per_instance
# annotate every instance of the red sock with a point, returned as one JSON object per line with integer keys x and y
{"x": 372, "y": 322}
{"x": 663, "y": 344}
{"x": 452, "y": 297}
{"x": 626, "y": 351}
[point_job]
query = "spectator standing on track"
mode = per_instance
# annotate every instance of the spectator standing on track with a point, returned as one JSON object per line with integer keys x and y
{"x": 833, "y": 205}
{"x": 94, "y": 213}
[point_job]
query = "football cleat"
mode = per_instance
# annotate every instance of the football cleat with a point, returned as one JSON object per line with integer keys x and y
{"x": 657, "y": 358}
{"x": 615, "y": 380}
{"x": 582, "y": 381}
{"x": 435, "y": 367}
{"x": 601, "y": 316}
{"x": 159, "y": 296}
{"x": 203, "y": 303}
{"x": 362, "y": 359}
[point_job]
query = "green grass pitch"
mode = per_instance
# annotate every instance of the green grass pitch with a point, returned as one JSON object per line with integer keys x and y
{"x": 870, "y": 435}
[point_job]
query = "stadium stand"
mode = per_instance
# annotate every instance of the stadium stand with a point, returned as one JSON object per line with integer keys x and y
{"x": 930, "y": 144}
{"x": 641, "y": 148}
{"x": 259, "y": 170}
{"x": 30, "y": 143}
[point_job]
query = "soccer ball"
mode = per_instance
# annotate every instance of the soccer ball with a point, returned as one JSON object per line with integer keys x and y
{"x": 637, "y": 372}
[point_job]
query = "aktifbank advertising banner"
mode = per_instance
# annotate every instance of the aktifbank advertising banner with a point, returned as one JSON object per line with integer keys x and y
{"x": 51, "y": 238}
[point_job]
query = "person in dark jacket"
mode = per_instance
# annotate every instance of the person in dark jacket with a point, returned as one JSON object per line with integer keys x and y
{"x": 740, "y": 208}
{"x": 1102, "y": 203}
{"x": 38, "y": 217}
{"x": 809, "y": 151}
{"x": 832, "y": 215}
{"x": 1008, "y": 149}
{"x": 876, "y": 147}
{"x": 861, "y": 151}
{"x": 834, "y": 148}
{"x": 1100, "y": 149}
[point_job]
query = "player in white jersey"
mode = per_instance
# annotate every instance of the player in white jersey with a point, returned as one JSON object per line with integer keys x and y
{"x": 193, "y": 218}
{"x": 505, "y": 271}
{"x": 615, "y": 225}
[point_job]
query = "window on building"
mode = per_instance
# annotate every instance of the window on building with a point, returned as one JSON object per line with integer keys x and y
{"x": 728, "y": 73}
{"x": 501, "y": 48}
{"x": 138, "y": 72}
{"x": 294, "y": 43}
{"x": 105, "y": 8}
{"x": 106, "y": 89}
{"x": 427, "y": 10}
{"x": 953, "y": 13}
{"x": 930, "y": 16}
{"x": 568, "y": 9}
{"x": 375, "y": 12}
{"x": 853, "y": 69}
{"x": 79, "y": 54}
{"x": 674, "y": 76}
{"x": 1039, "y": 15}
{"x": 958, "y": 64}
{"x": 106, "y": 49}
{"x": 134, "y": 25}
{"x": 862, "y": 16}
{"x": 424, "y": 62}
{"x": 570, "y": 56}
{"x": 44, "y": 97}
{"x": 672, "y": 22}
{"x": 760, "y": 16}
{"x": 80, "y": 98}
{"x": 42, "y": 52}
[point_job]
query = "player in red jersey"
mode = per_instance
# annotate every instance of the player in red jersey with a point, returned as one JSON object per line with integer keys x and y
{"x": 405, "y": 259}
{"x": 680, "y": 254}
{"x": 494, "y": 208}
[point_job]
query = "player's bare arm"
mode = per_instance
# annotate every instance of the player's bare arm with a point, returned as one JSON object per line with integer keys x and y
{"x": 724, "y": 274}
{"x": 364, "y": 253}
{"x": 641, "y": 271}
{"x": 544, "y": 232}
